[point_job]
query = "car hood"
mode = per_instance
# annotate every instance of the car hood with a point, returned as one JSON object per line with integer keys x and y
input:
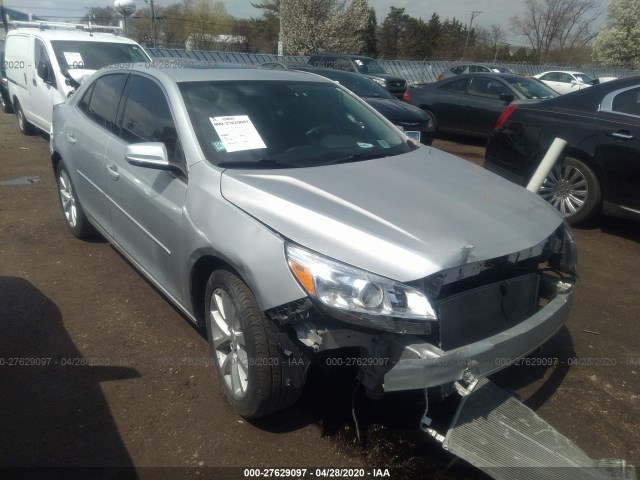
{"x": 386, "y": 76}
{"x": 402, "y": 217}
{"x": 396, "y": 110}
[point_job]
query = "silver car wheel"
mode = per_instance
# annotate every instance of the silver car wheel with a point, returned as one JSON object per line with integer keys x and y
{"x": 566, "y": 189}
{"x": 229, "y": 343}
{"x": 67, "y": 195}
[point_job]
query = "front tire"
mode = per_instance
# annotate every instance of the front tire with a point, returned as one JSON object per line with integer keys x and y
{"x": 255, "y": 375}
{"x": 23, "y": 124}
{"x": 74, "y": 215}
{"x": 573, "y": 189}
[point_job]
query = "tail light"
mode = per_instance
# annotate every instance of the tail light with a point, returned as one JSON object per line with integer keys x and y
{"x": 438, "y": 78}
{"x": 405, "y": 96}
{"x": 506, "y": 113}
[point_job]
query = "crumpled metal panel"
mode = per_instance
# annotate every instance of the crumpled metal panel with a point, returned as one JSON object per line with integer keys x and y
{"x": 496, "y": 433}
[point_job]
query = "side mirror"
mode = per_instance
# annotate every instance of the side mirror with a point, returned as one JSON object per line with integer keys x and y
{"x": 43, "y": 72}
{"x": 148, "y": 154}
{"x": 574, "y": 82}
{"x": 507, "y": 97}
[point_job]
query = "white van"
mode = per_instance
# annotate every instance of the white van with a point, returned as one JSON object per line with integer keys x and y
{"x": 46, "y": 63}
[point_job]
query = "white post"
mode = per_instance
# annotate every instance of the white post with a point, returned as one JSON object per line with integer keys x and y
{"x": 547, "y": 163}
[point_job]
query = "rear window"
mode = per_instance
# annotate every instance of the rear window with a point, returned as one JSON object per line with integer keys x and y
{"x": 72, "y": 54}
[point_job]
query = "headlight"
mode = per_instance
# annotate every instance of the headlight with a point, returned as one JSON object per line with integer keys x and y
{"x": 380, "y": 81}
{"x": 366, "y": 299}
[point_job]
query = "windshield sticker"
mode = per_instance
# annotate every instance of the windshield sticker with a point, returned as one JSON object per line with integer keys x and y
{"x": 237, "y": 133}
{"x": 74, "y": 59}
{"x": 384, "y": 143}
{"x": 365, "y": 145}
{"x": 219, "y": 147}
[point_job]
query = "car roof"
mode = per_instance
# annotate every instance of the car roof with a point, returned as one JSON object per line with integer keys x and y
{"x": 327, "y": 54}
{"x": 495, "y": 75}
{"x": 570, "y": 72}
{"x": 193, "y": 71}
{"x": 77, "y": 35}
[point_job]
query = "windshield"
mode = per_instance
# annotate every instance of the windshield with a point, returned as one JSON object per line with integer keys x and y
{"x": 368, "y": 65}
{"x": 532, "y": 88}
{"x": 269, "y": 124}
{"x": 95, "y": 55}
{"x": 584, "y": 78}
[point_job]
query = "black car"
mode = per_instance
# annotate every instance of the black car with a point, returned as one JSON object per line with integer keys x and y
{"x": 367, "y": 66}
{"x": 600, "y": 166}
{"x": 470, "y": 104}
{"x": 415, "y": 122}
{"x": 5, "y": 102}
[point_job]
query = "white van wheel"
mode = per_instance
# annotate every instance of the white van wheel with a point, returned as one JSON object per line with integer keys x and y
{"x": 23, "y": 124}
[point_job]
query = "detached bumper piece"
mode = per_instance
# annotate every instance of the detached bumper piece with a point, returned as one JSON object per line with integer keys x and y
{"x": 496, "y": 433}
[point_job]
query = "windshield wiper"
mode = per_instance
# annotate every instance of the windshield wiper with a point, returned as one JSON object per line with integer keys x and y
{"x": 262, "y": 163}
{"x": 358, "y": 156}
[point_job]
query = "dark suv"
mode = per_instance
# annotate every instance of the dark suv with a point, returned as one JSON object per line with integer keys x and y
{"x": 364, "y": 65}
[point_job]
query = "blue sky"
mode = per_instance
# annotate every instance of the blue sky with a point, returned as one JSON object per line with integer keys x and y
{"x": 493, "y": 11}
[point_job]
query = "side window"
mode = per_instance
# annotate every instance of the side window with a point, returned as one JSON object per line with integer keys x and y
{"x": 487, "y": 87}
{"x": 459, "y": 86}
{"x": 147, "y": 117}
{"x": 104, "y": 100}
{"x": 458, "y": 70}
{"x": 628, "y": 102}
{"x": 42, "y": 60}
{"x": 550, "y": 77}
{"x": 83, "y": 104}
{"x": 565, "y": 78}
{"x": 344, "y": 64}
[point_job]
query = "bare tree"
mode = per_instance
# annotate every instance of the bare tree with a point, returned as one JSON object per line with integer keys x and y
{"x": 562, "y": 25}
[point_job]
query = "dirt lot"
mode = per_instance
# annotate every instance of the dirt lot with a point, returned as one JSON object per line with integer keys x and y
{"x": 98, "y": 370}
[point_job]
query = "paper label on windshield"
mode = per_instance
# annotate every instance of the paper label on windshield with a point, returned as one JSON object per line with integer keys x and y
{"x": 74, "y": 59}
{"x": 237, "y": 133}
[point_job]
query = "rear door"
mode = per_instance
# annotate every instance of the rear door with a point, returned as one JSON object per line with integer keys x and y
{"x": 448, "y": 103}
{"x": 619, "y": 147}
{"x": 147, "y": 203}
{"x": 88, "y": 134}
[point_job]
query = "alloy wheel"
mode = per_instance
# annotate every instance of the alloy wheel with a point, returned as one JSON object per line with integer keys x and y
{"x": 566, "y": 189}
{"x": 229, "y": 343}
{"x": 67, "y": 195}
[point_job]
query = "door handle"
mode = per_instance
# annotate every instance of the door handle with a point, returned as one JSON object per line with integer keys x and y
{"x": 113, "y": 172}
{"x": 33, "y": 80}
{"x": 622, "y": 135}
{"x": 71, "y": 139}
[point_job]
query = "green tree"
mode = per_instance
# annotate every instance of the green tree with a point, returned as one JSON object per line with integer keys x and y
{"x": 101, "y": 16}
{"x": 618, "y": 43}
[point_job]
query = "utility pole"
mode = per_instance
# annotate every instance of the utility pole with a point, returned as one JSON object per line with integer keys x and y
{"x": 153, "y": 22}
{"x": 474, "y": 14}
{"x": 280, "y": 33}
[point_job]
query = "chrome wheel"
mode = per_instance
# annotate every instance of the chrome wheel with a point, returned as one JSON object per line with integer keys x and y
{"x": 68, "y": 198}
{"x": 566, "y": 188}
{"x": 229, "y": 343}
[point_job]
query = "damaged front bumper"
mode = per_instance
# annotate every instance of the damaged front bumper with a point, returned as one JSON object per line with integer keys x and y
{"x": 418, "y": 365}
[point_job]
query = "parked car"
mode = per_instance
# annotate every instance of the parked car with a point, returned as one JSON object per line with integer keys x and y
{"x": 600, "y": 168}
{"x": 473, "y": 68}
{"x": 293, "y": 222}
{"x": 470, "y": 104}
{"x": 44, "y": 66}
{"x": 566, "y": 82}
{"x": 367, "y": 66}
{"x": 5, "y": 103}
{"x": 415, "y": 123}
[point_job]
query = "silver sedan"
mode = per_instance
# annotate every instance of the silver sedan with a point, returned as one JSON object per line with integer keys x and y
{"x": 295, "y": 223}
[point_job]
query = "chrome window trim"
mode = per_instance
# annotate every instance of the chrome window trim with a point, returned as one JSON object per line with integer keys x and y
{"x": 607, "y": 102}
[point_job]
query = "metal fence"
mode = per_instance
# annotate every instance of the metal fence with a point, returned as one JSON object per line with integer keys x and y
{"x": 412, "y": 70}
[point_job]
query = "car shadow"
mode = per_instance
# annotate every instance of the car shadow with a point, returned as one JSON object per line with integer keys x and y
{"x": 53, "y": 413}
{"x": 620, "y": 227}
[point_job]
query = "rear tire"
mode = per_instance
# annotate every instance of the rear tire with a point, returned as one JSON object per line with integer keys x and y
{"x": 23, "y": 124}
{"x": 74, "y": 215}
{"x": 245, "y": 346}
{"x": 5, "y": 104}
{"x": 434, "y": 121}
{"x": 573, "y": 189}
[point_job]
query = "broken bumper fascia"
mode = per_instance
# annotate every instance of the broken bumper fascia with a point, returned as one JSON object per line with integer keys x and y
{"x": 422, "y": 365}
